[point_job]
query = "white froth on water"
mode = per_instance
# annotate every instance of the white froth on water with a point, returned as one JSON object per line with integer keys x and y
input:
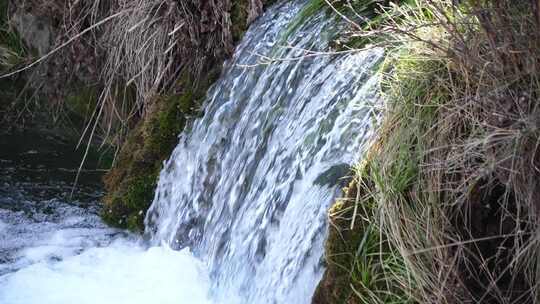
{"x": 120, "y": 273}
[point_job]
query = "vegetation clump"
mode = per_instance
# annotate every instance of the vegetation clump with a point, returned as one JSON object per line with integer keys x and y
{"x": 445, "y": 206}
{"x": 130, "y": 184}
{"x": 12, "y": 49}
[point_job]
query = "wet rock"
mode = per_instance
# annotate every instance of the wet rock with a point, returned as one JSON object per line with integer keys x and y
{"x": 333, "y": 175}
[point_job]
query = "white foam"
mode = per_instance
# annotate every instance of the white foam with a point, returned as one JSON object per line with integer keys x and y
{"x": 120, "y": 273}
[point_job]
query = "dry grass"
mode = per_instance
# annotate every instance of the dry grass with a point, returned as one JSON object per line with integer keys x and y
{"x": 130, "y": 52}
{"x": 147, "y": 48}
{"x": 133, "y": 51}
{"x": 452, "y": 181}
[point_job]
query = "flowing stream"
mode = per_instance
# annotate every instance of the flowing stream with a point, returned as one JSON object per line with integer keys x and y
{"x": 239, "y": 214}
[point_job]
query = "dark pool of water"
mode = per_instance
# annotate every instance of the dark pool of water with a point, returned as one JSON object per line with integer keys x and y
{"x": 43, "y": 215}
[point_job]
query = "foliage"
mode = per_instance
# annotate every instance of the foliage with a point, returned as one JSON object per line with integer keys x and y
{"x": 450, "y": 185}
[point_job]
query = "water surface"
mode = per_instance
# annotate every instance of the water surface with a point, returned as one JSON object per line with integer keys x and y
{"x": 54, "y": 248}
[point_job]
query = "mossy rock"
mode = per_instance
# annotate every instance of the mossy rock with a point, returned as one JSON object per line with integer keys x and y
{"x": 341, "y": 244}
{"x": 127, "y": 209}
{"x": 131, "y": 183}
{"x": 169, "y": 121}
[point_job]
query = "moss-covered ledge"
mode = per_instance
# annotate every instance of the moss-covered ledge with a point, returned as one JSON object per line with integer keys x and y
{"x": 130, "y": 184}
{"x": 343, "y": 239}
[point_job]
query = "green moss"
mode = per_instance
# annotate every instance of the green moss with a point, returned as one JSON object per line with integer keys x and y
{"x": 126, "y": 207}
{"x": 139, "y": 192}
{"x": 138, "y": 199}
{"x": 131, "y": 182}
{"x": 170, "y": 121}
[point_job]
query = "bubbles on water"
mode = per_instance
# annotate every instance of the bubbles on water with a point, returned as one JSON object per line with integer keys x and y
{"x": 35, "y": 231}
{"x": 54, "y": 248}
{"x": 120, "y": 273}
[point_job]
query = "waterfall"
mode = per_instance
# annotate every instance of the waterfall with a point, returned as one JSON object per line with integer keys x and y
{"x": 250, "y": 182}
{"x": 239, "y": 214}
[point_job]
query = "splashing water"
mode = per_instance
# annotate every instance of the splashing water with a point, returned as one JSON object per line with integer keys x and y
{"x": 246, "y": 190}
{"x": 118, "y": 273}
{"x": 56, "y": 250}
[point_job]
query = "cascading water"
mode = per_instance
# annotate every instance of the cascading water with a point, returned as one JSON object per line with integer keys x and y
{"x": 246, "y": 190}
{"x": 249, "y": 185}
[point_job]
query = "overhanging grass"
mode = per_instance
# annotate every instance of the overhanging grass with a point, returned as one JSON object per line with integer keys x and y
{"x": 380, "y": 269}
{"x": 448, "y": 192}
